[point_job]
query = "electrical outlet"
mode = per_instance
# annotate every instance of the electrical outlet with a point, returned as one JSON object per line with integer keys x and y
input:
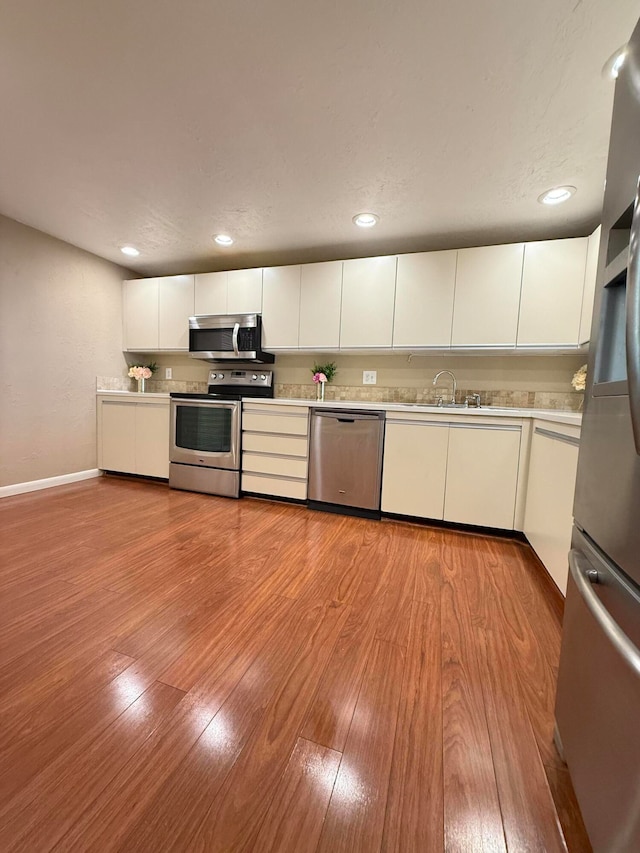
{"x": 168, "y": 373}
{"x": 369, "y": 377}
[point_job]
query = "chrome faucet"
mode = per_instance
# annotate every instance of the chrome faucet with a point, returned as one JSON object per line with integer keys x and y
{"x": 453, "y": 388}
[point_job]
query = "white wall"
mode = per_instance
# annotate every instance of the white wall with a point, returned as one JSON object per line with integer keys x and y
{"x": 60, "y": 326}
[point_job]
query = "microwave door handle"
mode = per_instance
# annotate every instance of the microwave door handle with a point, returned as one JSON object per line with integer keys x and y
{"x": 633, "y": 322}
{"x": 234, "y": 338}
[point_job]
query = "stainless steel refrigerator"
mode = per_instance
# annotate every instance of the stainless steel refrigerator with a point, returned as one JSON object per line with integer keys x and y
{"x": 598, "y": 698}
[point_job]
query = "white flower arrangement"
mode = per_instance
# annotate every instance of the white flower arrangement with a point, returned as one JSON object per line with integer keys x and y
{"x": 579, "y": 380}
{"x": 139, "y": 371}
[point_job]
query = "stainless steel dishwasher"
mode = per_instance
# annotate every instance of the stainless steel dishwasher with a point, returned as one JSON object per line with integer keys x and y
{"x": 345, "y": 467}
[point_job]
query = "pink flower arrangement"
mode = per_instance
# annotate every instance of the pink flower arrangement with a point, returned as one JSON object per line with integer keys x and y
{"x": 319, "y": 377}
{"x": 139, "y": 372}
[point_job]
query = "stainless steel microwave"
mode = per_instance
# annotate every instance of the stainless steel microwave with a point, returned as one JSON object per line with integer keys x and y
{"x": 227, "y": 337}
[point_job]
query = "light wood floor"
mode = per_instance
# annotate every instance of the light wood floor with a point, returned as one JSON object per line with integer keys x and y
{"x": 189, "y": 673}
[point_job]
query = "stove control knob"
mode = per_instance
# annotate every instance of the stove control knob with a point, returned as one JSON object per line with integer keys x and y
{"x": 255, "y": 376}
{"x": 262, "y": 376}
{"x": 221, "y": 376}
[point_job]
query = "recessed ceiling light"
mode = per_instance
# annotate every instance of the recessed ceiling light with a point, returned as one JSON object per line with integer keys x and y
{"x": 612, "y": 66}
{"x": 556, "y": 195}
{"x": 129, "y": 250}
{"x": 223, "y": 240}
{"x": 365, "y": 220}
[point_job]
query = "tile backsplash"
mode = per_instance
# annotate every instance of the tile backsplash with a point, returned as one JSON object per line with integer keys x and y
{"x": 566, "y": 401}
{"x": 561, "y": 400}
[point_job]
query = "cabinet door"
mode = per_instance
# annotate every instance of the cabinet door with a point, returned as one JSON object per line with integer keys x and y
{"x": 280, "y": 307}
{"x": 117, "y": 450}
{"x": 152, "y": 439}
{"x": 175, "y": 307}
{"x": 140, "y": 314}
{"x": 485, "y": 312}
{"x": 552, "y": 287}
{"x": 415, "y": 468}
{"x": 482, "y": 475}
{"x": 591, "y": 272}
{"x": 368, "y": 293}
{"x": 244, "y": 291}
{"x": 548, "y": 517}
{"x": 425, "y": 287}
{"x": 211, "y": 293}
{"x": 320, "y": 299}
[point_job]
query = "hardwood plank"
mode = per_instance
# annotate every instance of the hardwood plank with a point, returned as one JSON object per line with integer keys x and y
{"x": 531, "y": 633}
{"x": 19, "y": 723}
{"x": 238, "y": 809}
{"x": 167, "y": 791}
{"x": 356, "y": 813}
{"x": 294, "y": 819}
{"x": 46, "y": 809}
{"x": 331, "y": 711}
{"x": 529, "y": 814}
{"x": 564, "y": 797}
{"x": 472, "y": 817}
{"x": 415, "y": 809}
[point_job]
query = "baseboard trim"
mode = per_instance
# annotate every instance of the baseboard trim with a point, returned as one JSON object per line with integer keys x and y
{"x": 48, "y": 483}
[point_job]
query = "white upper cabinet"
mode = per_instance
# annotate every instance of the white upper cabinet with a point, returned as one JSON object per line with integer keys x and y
{"x": 244, "y": 291}
{"x": 280, "y": 307}
{"x": 487, "y": 296}
{"x": 425, "y": 287}
{"x": 175, "y": 306}
{"x": 156, "y": 313}
{"x": 211, "y": 293}
{"x": 140, "y": 314}
{"x": 552, "y": 287}
{"x": 368, "y": 294}
{"x": 320, "y": 300}
{"x": 593, "y": 248}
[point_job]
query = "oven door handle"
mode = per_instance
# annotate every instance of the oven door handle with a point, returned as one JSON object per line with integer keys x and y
{"x": 234, "y": 338}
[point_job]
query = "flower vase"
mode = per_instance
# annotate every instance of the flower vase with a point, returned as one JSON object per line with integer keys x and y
{"x": 320, "y": 392}
{"x": 140, "y": 386}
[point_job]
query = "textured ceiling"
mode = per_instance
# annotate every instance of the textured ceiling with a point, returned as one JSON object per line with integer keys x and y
{"x": 160, "y": 123}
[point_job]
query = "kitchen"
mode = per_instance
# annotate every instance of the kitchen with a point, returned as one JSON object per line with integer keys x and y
{"x": 50, "y": 434}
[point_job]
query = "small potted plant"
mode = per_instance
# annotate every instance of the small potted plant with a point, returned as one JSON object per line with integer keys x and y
{"x": 323, "y": 373}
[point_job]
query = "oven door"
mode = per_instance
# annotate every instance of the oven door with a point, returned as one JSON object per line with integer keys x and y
{"x": 205, "y": 433}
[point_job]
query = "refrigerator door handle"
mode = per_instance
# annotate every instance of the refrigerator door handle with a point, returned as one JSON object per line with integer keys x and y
{"x": 584, "y": 577}
{"x": 633, "y": 322}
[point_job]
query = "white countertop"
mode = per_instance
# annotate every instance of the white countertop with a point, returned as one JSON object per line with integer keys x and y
{"x": 553, "y": 415}
{"x": 163, "y": 395}
{"x": 556, "y": 416}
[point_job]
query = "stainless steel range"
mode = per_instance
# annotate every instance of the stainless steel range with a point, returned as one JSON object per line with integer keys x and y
{"x": 206, "y": 431}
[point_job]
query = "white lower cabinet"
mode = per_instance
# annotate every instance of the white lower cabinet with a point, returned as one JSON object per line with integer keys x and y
{"x": 482, "y": 474}
{"x": 460, "y": 472}
{"x": 133, "y": 437}
{"x": 548, "y": 514}
{"x": 415, "y": 467}
{"x": 275, "y": 450}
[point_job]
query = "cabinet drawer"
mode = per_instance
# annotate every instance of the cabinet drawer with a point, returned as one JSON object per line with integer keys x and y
{"x": 282, "y": 488}
{"x": 273, "y": 409}
{"x": 281, "y": 466}
{"x": 283, "y": 445}
{"x": 283, "y": 424}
